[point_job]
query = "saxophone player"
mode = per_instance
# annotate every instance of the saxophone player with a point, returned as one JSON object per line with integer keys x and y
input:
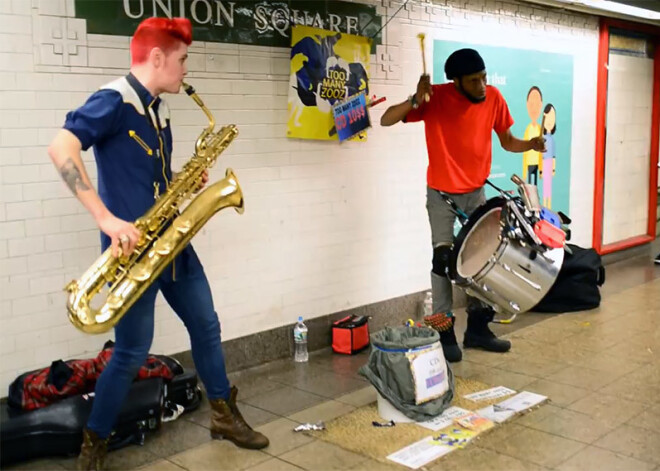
{"x": 127, "y": 124}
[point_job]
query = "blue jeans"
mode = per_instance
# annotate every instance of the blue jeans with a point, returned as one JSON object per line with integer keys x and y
{"x": 191, "y": 299}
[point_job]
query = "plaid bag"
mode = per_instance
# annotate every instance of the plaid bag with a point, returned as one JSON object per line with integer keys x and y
{"x": 61, "y": 379}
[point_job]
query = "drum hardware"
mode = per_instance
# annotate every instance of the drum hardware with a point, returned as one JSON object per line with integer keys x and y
{"x": 523, "y": 223}
{"x": 518, "y": 216}
{"x": 458, "y": 212}
{"x": 529, "y": 195}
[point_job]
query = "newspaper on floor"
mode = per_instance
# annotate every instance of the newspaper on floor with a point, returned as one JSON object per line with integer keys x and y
{"x": 420, "y": 453}
{"x": 492, "y": 393}
{"x": 508, "y": 408}
{"x": 475, "y": 422}
{"x": 445, "y": 419}
{"x": 522, "y": 401}
{"x": 496, "y": 413}
{"x": 455, "y": 437}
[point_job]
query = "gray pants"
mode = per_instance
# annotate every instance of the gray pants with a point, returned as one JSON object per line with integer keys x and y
{"x": 442, "y": 221}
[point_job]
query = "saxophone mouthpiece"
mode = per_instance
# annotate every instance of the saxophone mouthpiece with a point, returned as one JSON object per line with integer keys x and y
{"x": 188, "y": 88}
{"x": 193, "y": 94}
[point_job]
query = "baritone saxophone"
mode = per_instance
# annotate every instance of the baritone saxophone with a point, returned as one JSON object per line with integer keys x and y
{"x": 164, "y": 233}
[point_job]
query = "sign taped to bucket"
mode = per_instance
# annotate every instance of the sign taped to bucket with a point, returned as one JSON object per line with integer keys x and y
{"x": 429, "y": 372}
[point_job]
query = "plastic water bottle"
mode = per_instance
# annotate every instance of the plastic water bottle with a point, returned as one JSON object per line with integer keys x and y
{"x": 427, "y": 304}
{"x": 300, "y": 340}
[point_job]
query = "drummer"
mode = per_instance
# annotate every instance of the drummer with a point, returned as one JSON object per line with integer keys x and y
{"x": 459, "y": 117}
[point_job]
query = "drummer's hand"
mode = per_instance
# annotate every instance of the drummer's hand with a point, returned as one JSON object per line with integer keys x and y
{"x": 424, "y": 88}
{"x": 537, "y": 144}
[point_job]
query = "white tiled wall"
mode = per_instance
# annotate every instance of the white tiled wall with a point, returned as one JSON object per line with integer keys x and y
{"x": 629, "y": 100}
{"x": 327, "y": 227}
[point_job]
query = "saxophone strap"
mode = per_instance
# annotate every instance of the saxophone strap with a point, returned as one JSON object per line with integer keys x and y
{"x": 154, "y": 123}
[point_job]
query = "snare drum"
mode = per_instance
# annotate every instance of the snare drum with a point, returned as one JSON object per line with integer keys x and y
{"x": 508, "y": 275}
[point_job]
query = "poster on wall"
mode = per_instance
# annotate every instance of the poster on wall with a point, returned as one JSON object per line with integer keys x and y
{"x": 327, "y": 68}
{"x": 538, "y": 87}
{"x": 351, "y": 117}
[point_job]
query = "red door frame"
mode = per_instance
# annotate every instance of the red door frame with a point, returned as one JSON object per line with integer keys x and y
{"x": 601, "y": 113}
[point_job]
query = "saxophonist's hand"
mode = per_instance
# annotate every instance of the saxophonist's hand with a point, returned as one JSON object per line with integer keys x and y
{"x": 205, "y": 179}
{"x": 123, "y": 234}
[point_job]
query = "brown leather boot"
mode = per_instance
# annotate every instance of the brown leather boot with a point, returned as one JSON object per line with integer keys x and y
{"x": 228, "y": 423}
{"x": 92, "y": 452}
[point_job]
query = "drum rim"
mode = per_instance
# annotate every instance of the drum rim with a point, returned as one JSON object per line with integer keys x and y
{"x": 475, "y": 216}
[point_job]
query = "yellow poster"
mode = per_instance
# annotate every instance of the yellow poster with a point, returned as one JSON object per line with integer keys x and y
{"x": 327, "y": 67}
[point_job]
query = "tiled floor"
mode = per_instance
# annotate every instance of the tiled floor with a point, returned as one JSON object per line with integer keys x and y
{"x": 601, "y": 370}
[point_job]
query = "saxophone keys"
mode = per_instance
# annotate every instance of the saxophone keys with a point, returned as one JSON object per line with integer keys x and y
{"x": 72, "y": 286}
{"x": 140, "y": 273}
{"x": 164, "y": 247}
{"x": 182, "y": 225}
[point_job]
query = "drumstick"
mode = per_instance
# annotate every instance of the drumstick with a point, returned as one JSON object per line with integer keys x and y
{"x": 540, "y": 163}
{"x": 421, "y": 37}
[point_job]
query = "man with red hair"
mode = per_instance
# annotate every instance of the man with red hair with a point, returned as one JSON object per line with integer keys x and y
{"x": 128, "y": 125}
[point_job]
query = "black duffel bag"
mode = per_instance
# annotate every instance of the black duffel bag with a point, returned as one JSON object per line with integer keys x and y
{"x": 577, "y": 287}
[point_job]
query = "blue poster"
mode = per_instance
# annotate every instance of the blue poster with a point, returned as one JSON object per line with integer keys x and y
{"x": 351, "y": 116}
{"x": 538, "y": 87}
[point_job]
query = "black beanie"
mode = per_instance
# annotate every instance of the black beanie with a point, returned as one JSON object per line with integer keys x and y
{"x": 463, "y": 62}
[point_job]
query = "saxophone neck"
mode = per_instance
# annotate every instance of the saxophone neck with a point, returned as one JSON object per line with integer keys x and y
{"x": 190, "y": 91}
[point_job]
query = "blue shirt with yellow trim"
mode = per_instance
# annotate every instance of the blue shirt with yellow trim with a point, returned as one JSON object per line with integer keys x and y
{"x": 129, "y": 131}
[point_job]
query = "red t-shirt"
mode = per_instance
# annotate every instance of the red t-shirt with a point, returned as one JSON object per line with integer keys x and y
{"x": 458, "y": 136}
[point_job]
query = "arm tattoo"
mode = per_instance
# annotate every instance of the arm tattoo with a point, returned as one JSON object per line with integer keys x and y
{"x": 72, "y": 177}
